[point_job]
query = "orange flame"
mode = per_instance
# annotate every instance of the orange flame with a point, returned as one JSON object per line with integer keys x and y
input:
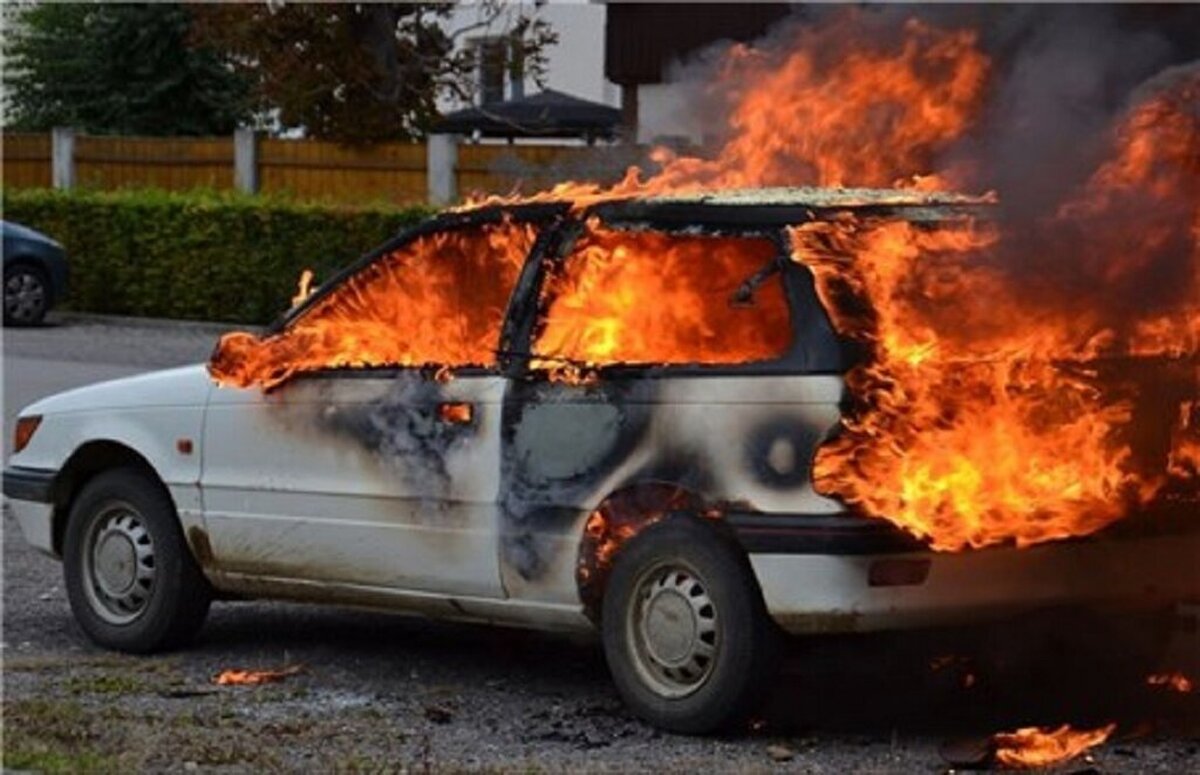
{"x": 982, "y": 423}
{"x": 964, "y": 442}
{"x": 1175, "y": 682}
{"x": 1031, "y": 747}
{"x": 446, "y": 292}
{"x": 842, "y": 107}
{"x": 648, "y": 297}
{"x": 254, "y": 677}
{"x": 616, "y": 521}
{"x": 988, "y": 409}
{"x": 304, "y": 288}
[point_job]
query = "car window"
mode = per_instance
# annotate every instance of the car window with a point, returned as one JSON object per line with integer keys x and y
{"x": 648, "y": 297}
{"x": 438, "y": 300}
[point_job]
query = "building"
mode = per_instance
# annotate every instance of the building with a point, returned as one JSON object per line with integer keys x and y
{"x": 575, "y": 64}
{"x": 643, "y": 41}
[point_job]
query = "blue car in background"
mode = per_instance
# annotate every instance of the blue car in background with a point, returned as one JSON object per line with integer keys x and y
{"x": 35, "y": 274}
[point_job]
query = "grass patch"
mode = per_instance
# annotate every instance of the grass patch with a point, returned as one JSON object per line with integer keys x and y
{"x": 105, "y": 684}
{"x": 40, "y": 664}
{"x": 18, "y": 758}
{"x": 51, "y": 736}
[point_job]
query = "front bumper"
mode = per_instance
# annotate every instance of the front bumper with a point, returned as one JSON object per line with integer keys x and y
{"x": 29, "y": 498}
{"x": 28, "y": 484}
{"x": 823, "y": 591}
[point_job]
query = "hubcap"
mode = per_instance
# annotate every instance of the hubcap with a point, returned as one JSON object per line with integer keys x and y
{"x": 24, "y": 296}
{"x": 119, "y": 565}
{"x": 674, "y": 631}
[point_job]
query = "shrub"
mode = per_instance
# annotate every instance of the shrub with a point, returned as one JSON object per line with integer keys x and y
{"x": 199, "y": 255}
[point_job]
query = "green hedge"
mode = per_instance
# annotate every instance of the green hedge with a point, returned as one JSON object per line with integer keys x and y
{"x": 202, "y": 255}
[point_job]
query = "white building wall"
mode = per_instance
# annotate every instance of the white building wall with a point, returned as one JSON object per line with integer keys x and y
{"x": 575, "y": 64}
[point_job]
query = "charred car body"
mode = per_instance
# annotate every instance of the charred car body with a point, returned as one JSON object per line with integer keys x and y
{"x": 663, "y": 496}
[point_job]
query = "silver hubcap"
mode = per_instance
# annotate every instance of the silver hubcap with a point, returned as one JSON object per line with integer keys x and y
{"x": 24, "y": 296}
{"x": 674, "y": 631}
{"x": 119, "y": 565}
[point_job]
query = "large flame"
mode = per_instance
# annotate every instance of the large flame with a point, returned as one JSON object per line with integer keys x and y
{"x": 961, "y": 440}
{"x": 980, "y": 419}
{"x": 437, "y": 300}
{"x": 991, "y": 406}
{"x": 845, "y": 105}
{"x": 649, "y": 297}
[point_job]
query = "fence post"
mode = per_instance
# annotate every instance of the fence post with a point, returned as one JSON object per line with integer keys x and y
{"x": 441, "y": 161}
{"x": 245, "y": 160}
{"x": 62, "y": 157}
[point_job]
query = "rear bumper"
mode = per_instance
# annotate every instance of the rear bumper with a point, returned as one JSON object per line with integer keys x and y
{"x": 827, "y": 534}
{"x": 815, "y": 592}
{"x": 29, "y": 498}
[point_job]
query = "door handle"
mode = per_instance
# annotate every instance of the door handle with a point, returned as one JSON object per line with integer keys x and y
{"x": 456, "y": 412}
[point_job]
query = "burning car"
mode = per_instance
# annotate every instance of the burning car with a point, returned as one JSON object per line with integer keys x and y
{"x": 628, "y": 416}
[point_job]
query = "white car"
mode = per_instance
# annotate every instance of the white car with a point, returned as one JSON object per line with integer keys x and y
{"x": 665, "y": 501}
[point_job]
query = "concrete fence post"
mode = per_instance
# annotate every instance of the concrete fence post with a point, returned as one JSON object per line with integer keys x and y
{"x": 441, "y": 163}
{"x": 62, "y": 157}
{"x": 245, "y": 160}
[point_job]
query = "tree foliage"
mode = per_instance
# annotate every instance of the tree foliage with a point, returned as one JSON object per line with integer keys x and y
{"x": 364, "y": 72}
{"x": 120, "y": 69}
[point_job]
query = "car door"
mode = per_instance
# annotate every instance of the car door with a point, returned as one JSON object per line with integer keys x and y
{"x": 673, "y": 368}
{"x": 360, "y": 443}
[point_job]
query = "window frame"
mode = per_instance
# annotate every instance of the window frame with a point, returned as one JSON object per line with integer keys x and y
{"x": 798, "y": 287}
{"x": 542, "y": 217}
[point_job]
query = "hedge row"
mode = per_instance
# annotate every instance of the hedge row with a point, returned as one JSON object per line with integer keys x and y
{"x": 203, "y": 255}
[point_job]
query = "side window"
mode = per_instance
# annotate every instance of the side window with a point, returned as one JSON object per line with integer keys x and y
{"x": 656, "y": 298}
{"x": 438, "y": 300}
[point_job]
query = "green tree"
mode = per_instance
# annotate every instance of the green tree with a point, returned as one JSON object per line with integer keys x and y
{"x": 118, "y": 69}
{"x": 363, "y": 72}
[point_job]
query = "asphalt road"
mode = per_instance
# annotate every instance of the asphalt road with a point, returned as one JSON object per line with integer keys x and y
{"x": 380, "y": 692}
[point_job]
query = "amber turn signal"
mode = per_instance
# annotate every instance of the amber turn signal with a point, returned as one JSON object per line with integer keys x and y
{"x": 456, "y": 412}
{"x": 24, "y": 431}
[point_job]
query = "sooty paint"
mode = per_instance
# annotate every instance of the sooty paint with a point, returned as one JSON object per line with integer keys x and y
{"x": 559, "y": 443}
{"x": 404, "y": 426}
{"x": 779, "y": 452}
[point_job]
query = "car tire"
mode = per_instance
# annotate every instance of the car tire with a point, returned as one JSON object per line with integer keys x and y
{"x": 131, "y": 580}
{"x": 686, "y": 635}
{"x": 26, "y": 295}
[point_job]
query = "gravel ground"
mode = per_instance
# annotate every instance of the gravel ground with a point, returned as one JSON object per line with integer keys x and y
{"x": 377, "y": 692}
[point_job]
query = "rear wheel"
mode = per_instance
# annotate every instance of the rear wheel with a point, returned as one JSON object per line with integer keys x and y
{"x": 26, "y": 295}
{"x": 687, "y": 638}
{"x": 130, "y": 577}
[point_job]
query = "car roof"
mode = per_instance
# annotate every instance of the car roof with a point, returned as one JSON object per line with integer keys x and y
{"x": 809, "y": 196}
{"x": 735, "y": 209}
{"x": 746, "y": 206}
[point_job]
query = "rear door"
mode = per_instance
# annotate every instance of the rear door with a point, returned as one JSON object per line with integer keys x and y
{"x": 688, "y": 366}
{"x": 375, "y": 461}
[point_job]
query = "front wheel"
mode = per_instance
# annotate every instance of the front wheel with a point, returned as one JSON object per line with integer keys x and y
{"x": 131, "y": 580}
{"x": 686, "y": 635}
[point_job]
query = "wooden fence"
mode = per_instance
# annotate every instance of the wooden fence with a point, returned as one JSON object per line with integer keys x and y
{"x": 27, "y": 161}
{"x": 325, "y": 171}
{"x": 306, "y": 169}
{"x": 153, "y": 162}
